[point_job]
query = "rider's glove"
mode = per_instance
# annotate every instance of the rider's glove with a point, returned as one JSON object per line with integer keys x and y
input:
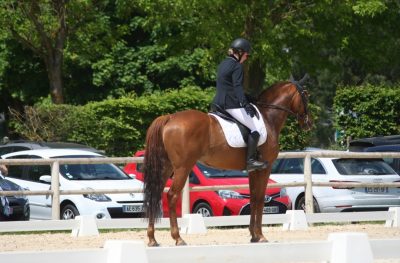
{"x": 250, "y": 110}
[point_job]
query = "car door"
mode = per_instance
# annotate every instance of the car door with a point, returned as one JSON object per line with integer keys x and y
{"x": 287, "y": 170}
{"x": 28, "y": 176}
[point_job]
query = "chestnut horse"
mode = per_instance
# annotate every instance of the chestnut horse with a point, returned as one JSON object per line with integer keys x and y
{"x": 176, "y": 141}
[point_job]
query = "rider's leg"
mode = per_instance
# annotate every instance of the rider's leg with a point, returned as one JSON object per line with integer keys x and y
{"x": 252, "y": 162}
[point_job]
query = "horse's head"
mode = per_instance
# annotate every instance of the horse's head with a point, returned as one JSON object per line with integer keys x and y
{"x": 299, "y": 106}
{"x": 290, "y": 97}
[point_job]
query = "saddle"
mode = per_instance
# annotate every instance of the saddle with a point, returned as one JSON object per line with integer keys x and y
{"x": 219, "y": 111}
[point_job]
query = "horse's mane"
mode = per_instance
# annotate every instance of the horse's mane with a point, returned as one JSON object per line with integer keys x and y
{"x": 278, "y": 85}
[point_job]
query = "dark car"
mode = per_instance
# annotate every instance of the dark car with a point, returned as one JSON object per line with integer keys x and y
{"x": 22, "y": 145}
{"x": 13, "y": 207}
{"x": 393, "y": 162}
{"x": 359, "y": 145}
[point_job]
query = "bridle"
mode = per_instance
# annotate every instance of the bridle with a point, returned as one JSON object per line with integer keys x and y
{"x": 303, "y": 94}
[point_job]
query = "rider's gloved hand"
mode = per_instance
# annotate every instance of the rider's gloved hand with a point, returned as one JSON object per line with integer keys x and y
{"x": 250, "y": 110}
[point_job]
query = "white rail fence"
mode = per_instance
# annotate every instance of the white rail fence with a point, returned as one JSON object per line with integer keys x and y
{"x": 196, "y": 224}
{"x": 55, "y": 191}
{"x": 338, "y": 248}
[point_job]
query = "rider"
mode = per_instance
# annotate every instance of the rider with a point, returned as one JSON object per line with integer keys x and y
{"x": 230, "y": 96}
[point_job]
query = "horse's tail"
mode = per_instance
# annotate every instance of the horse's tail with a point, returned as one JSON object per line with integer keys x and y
{"x": 154, "y": 160}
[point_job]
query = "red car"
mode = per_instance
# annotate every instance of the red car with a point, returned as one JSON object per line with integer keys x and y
{"x": 220, "y": 202}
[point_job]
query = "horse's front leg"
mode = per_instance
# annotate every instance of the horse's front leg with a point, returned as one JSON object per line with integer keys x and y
{"x": 258, "y": 181}
{"x": 252, "y": 187}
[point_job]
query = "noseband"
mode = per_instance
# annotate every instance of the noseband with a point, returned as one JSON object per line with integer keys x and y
{"x": 300, "y": 117}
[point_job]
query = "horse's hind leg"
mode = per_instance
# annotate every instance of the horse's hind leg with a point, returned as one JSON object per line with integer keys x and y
{"x": 150, "y": 235}
{"x": 150, "y": 228}
{"x": 180, "y": 176}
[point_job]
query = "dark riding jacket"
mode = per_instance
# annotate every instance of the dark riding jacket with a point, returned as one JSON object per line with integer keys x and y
{"x": 230, "y": 92}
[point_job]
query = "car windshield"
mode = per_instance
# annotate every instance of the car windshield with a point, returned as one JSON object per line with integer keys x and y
{"x": 213, "y": 172}
{"x": 91, "y": 171}
{"x": 8, "y": 185}
{"x": 362, "y": 167}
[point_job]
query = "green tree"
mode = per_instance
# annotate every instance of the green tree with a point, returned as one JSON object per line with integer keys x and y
{"x": 44, "y": 27}
{"x": 41, "y": 27}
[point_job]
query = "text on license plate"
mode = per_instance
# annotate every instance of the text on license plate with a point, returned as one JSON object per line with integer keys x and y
{"x": 376, "y": 190}
{"x": 270, "y": 210}
{"x": 132, "y": 208}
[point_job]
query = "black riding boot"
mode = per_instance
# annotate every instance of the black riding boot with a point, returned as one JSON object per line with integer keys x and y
{"x": 252, "y": 162}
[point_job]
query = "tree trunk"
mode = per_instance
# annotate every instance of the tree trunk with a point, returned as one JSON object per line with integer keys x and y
{"x": 254, "y": 77}
{"x": 54, "y": 73}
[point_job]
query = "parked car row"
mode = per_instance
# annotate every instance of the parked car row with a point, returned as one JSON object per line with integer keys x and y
{"x": 219, "y": 202}
{"x": 207, "y": 203}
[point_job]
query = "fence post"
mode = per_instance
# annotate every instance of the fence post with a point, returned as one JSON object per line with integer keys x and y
{"x": 186, "y": 198}
{"x": 309, "y": 202}
{"x": 55, "y": 186}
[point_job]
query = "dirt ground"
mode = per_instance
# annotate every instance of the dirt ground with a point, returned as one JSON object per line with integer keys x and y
{"x": 56, "y": 240}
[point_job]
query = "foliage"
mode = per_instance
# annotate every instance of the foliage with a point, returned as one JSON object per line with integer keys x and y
{"x": 150, "y": 68}
{"x": 118, "y": 126}
{"x": 293, "y": 138}
{"x": 125, "y": 48}
{"x": 367, "y": 111}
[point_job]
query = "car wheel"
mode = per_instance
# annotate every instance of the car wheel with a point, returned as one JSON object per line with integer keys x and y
{"x": 69, "y": 212}
{"x": 204, "y": 209}
{"x": 301, "y": 205}
{"x": 27, "y": 214}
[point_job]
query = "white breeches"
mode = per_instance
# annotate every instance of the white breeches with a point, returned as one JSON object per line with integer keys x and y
{"x": 241, "y": 115}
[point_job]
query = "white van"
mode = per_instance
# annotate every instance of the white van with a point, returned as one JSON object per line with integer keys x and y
{"x": 76, "y": 177}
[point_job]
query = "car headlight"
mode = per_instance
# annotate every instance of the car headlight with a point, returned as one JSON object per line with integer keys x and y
{"x": 283, "y": 192}
{"x": 97, "y": 197}
{"x": 228, "y": 194}
{"x": 21, "y": 195}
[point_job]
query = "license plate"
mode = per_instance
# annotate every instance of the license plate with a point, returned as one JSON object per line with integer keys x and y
{"x": 376, "y": 190}
{"x": 270, "y": 209}
{"x": 132, "y": 208}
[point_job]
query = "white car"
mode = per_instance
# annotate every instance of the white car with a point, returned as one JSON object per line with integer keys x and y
{"x": 334, "y": 199}
{"x": 76, "y": 177}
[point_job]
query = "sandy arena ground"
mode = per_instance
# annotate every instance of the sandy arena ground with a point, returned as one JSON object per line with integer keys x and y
{"x": 52, "y": 241}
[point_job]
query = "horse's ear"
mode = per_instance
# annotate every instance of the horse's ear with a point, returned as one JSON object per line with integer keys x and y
{"x": 301, "y": 81}
{"x": 291, "y": 79}
{"x": 304, "y": 79}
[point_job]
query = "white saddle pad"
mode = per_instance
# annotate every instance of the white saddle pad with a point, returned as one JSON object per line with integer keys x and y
{"x": 233, "y": 135}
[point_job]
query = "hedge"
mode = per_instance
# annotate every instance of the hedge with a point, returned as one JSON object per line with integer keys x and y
{"x": 118, "y": 126}
{"x": 367, "y": 111}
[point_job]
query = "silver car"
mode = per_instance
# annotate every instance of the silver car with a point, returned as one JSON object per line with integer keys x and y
{"x": 334, "y": 199}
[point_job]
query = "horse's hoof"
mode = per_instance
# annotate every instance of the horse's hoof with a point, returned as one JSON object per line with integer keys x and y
{"x": 254, "y": 240}
{"x": 259, "y": 240}
{"x": 181, "y": 242}
{"x": 153, "y": 244}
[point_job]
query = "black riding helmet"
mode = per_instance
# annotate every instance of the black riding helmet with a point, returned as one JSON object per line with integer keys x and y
{"x": 241, "y": 44}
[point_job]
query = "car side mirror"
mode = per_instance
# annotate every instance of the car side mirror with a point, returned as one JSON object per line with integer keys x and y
{"x": 133, "y": 176}
{"x": 45, "y": 179}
